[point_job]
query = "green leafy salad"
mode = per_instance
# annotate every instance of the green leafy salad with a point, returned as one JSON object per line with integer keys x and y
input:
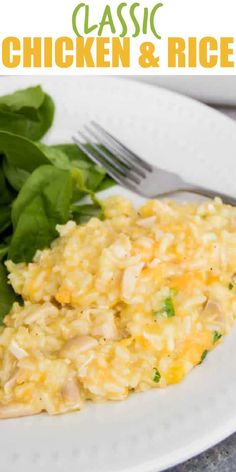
{"x": 40, "y": 185}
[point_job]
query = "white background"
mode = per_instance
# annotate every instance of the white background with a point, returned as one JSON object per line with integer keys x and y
{"x": 176, "y": 18}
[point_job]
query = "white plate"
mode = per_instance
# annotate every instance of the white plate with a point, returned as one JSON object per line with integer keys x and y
{"x": 214, "y": 89}
{"x": 151, "y": 431}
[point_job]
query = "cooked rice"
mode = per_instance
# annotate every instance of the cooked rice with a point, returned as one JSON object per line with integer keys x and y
{"x": 125, "y": 304}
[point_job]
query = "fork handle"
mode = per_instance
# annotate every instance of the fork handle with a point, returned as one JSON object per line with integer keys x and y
{"x": 209, "y": 193}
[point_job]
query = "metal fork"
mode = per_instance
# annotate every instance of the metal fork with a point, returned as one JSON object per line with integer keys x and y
{"x": 132, "y": 172}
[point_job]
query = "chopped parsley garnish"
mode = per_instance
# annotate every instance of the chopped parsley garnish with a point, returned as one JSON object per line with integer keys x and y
{"x": 156, "y": 376}
{"x": 169, "y": 307}
{"x": 167, "y": 310}
{"x": 230, "y": 286}
{"x": 203, "y": 356}
{"x": 216, "y": 336}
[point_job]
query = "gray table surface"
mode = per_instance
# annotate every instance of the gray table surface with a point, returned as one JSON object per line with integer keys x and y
{"x": 221, "y": 458}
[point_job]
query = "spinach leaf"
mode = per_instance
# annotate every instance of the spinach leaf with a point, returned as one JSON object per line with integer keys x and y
{"x": 3, "y": 251}
{"x": 5, "y": 193}
{"x": 43, "y": 202}
{"x": 56, "y": 156}
{"x": 23, "y": 156}
{"x": 59, "y": 159}
{"x": 27, "y": 112}
{"x": 7, "y": 295}
{"x": 49, "y": 180}
{"x": 93, "y": 175}
{"x": 39, "y": 180}
{"x": 25, "y": 99}
{"x": 21, "y": 153}
{"x": 5, "y": 218}
{"x": 87, "y": 176}
{"x": 74, "y": 154}
{"x": 83, "y": 213}
{"x": 15, "y": 176}
{"x": 105, "y": 184}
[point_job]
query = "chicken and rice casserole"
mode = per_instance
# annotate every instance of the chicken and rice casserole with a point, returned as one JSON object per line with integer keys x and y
{"x": 129, "y": 303}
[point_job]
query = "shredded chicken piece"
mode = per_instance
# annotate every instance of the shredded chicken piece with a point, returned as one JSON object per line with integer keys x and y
{"x": 76, "y": 345}
{"x": 71, "y": 392}
{"x": 11, "y": 381}
{"x": 107, "y": 329}
{"x": 18, "y": 409}
{"x": 213, "y": 307}
{"x": 129, "y": 280}
{"x": 147, "y": 222}
{"x": 17, "y": 351}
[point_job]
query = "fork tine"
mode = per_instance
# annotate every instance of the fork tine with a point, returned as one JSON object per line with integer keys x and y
{"x": 120, "y": 166}
{"x": 123, "y": 170}
{"x": 112, "y": 172}
{"x": 117, "y": 152}
{"x": 130, "y": 155}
